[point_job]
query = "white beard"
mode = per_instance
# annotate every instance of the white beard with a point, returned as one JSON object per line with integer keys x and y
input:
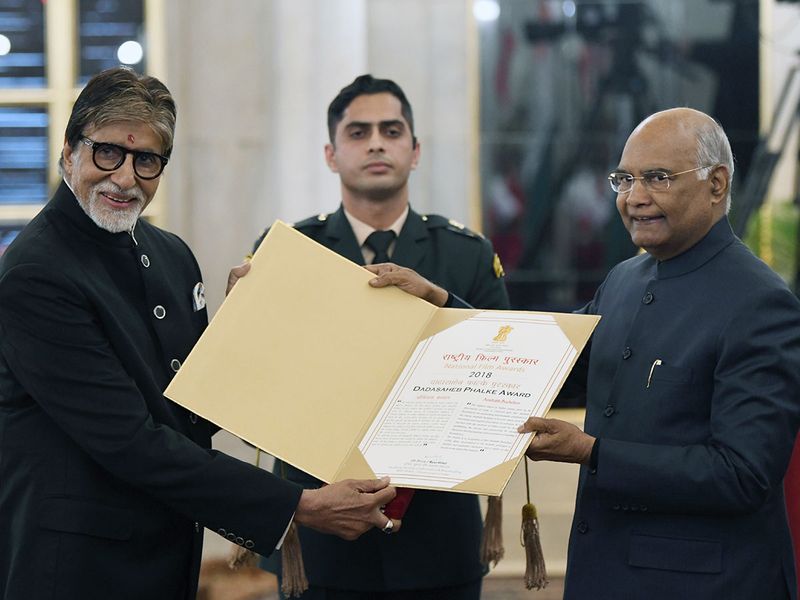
{"x": 110, "y": 219}
{"x": 105, "y": 217}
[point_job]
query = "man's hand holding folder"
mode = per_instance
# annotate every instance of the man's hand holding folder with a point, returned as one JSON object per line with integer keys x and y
{"x": 347, "y": 508}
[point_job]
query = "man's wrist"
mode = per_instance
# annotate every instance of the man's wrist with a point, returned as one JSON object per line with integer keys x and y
{"x": 438, "y": 296}
{"x": 593, "y": 455}
{"x": 306, "y": 506}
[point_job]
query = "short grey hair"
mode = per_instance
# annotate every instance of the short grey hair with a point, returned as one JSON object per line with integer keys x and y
{"x": 120, "y": 94}
{"x": 714, "y": 148}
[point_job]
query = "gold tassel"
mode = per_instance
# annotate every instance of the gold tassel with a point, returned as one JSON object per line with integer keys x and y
{"x": 535, "y": 570}
{"x": 492, "y": 550}
{"x": 293, "y": 572}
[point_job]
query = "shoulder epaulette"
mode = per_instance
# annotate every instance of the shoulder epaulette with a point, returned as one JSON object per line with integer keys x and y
{"x": 316, "y": 221}
{"x": 438, "y": 221}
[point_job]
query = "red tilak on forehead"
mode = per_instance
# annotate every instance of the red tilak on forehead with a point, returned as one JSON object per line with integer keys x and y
{"x": 131, "y": 139}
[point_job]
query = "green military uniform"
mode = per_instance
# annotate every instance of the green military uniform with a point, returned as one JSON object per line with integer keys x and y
{"x": 438, "y": 545}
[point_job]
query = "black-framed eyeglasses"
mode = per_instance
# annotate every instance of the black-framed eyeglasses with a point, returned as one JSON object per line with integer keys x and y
{"x": 109, "y": 157}
{"x": 653, "y": 181}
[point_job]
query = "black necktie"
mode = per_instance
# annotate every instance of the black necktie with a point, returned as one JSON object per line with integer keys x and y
{"x": 379, "y": 242}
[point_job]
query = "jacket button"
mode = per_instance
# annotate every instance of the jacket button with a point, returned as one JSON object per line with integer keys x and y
{"x": 624, "y": 508}
{"x": 648, "y": 298}
{"x": 145, "y": 261}
{"x": 626, "y": 354}
{"x": 609, "y": 411}
{"x": 192, "y": 418}
{"x": 231, "y": 536}
{"x": 239, "y": 541}
{"x": 583, "y": 527}
{"x": 249, "y": 544}
{"x": 615, "y": 507}
{"x": 175, "y": 364}
{"x": 160, "y": 312}
{"x": 221, "y": 531}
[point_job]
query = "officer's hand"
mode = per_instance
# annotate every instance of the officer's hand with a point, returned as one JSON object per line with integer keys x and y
{"x": 407, "y": 280}
{"x": 557, "y": 441}
{"x": 236, "y": 274}
{"x": 347, "y": 508}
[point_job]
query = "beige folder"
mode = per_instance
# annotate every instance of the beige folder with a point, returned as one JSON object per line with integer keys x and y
{"x": 303, "y": 352}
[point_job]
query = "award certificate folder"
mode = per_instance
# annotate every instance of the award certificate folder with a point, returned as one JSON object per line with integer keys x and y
{"x": 308, "y": 362}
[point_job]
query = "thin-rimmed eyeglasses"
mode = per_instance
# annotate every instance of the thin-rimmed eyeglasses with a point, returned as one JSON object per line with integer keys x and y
{"x": 653, "y": 181}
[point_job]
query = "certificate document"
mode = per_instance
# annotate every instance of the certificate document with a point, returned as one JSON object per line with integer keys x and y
{"x": 308, "y": 362}
{"x": 454, "y": 411}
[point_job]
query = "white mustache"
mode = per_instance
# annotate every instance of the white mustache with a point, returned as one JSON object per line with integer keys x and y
{"x": 133, "y": 192}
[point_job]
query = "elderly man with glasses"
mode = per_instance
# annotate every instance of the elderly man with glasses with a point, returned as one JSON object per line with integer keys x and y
{"x": 105, "y": 485}
{"x": 692, "y": 385}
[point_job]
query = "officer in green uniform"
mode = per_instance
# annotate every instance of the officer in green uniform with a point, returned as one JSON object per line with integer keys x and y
{"x": 372, "y": 147}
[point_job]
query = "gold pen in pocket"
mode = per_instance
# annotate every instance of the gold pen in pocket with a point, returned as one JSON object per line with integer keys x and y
{"x": 656, "y": 362}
